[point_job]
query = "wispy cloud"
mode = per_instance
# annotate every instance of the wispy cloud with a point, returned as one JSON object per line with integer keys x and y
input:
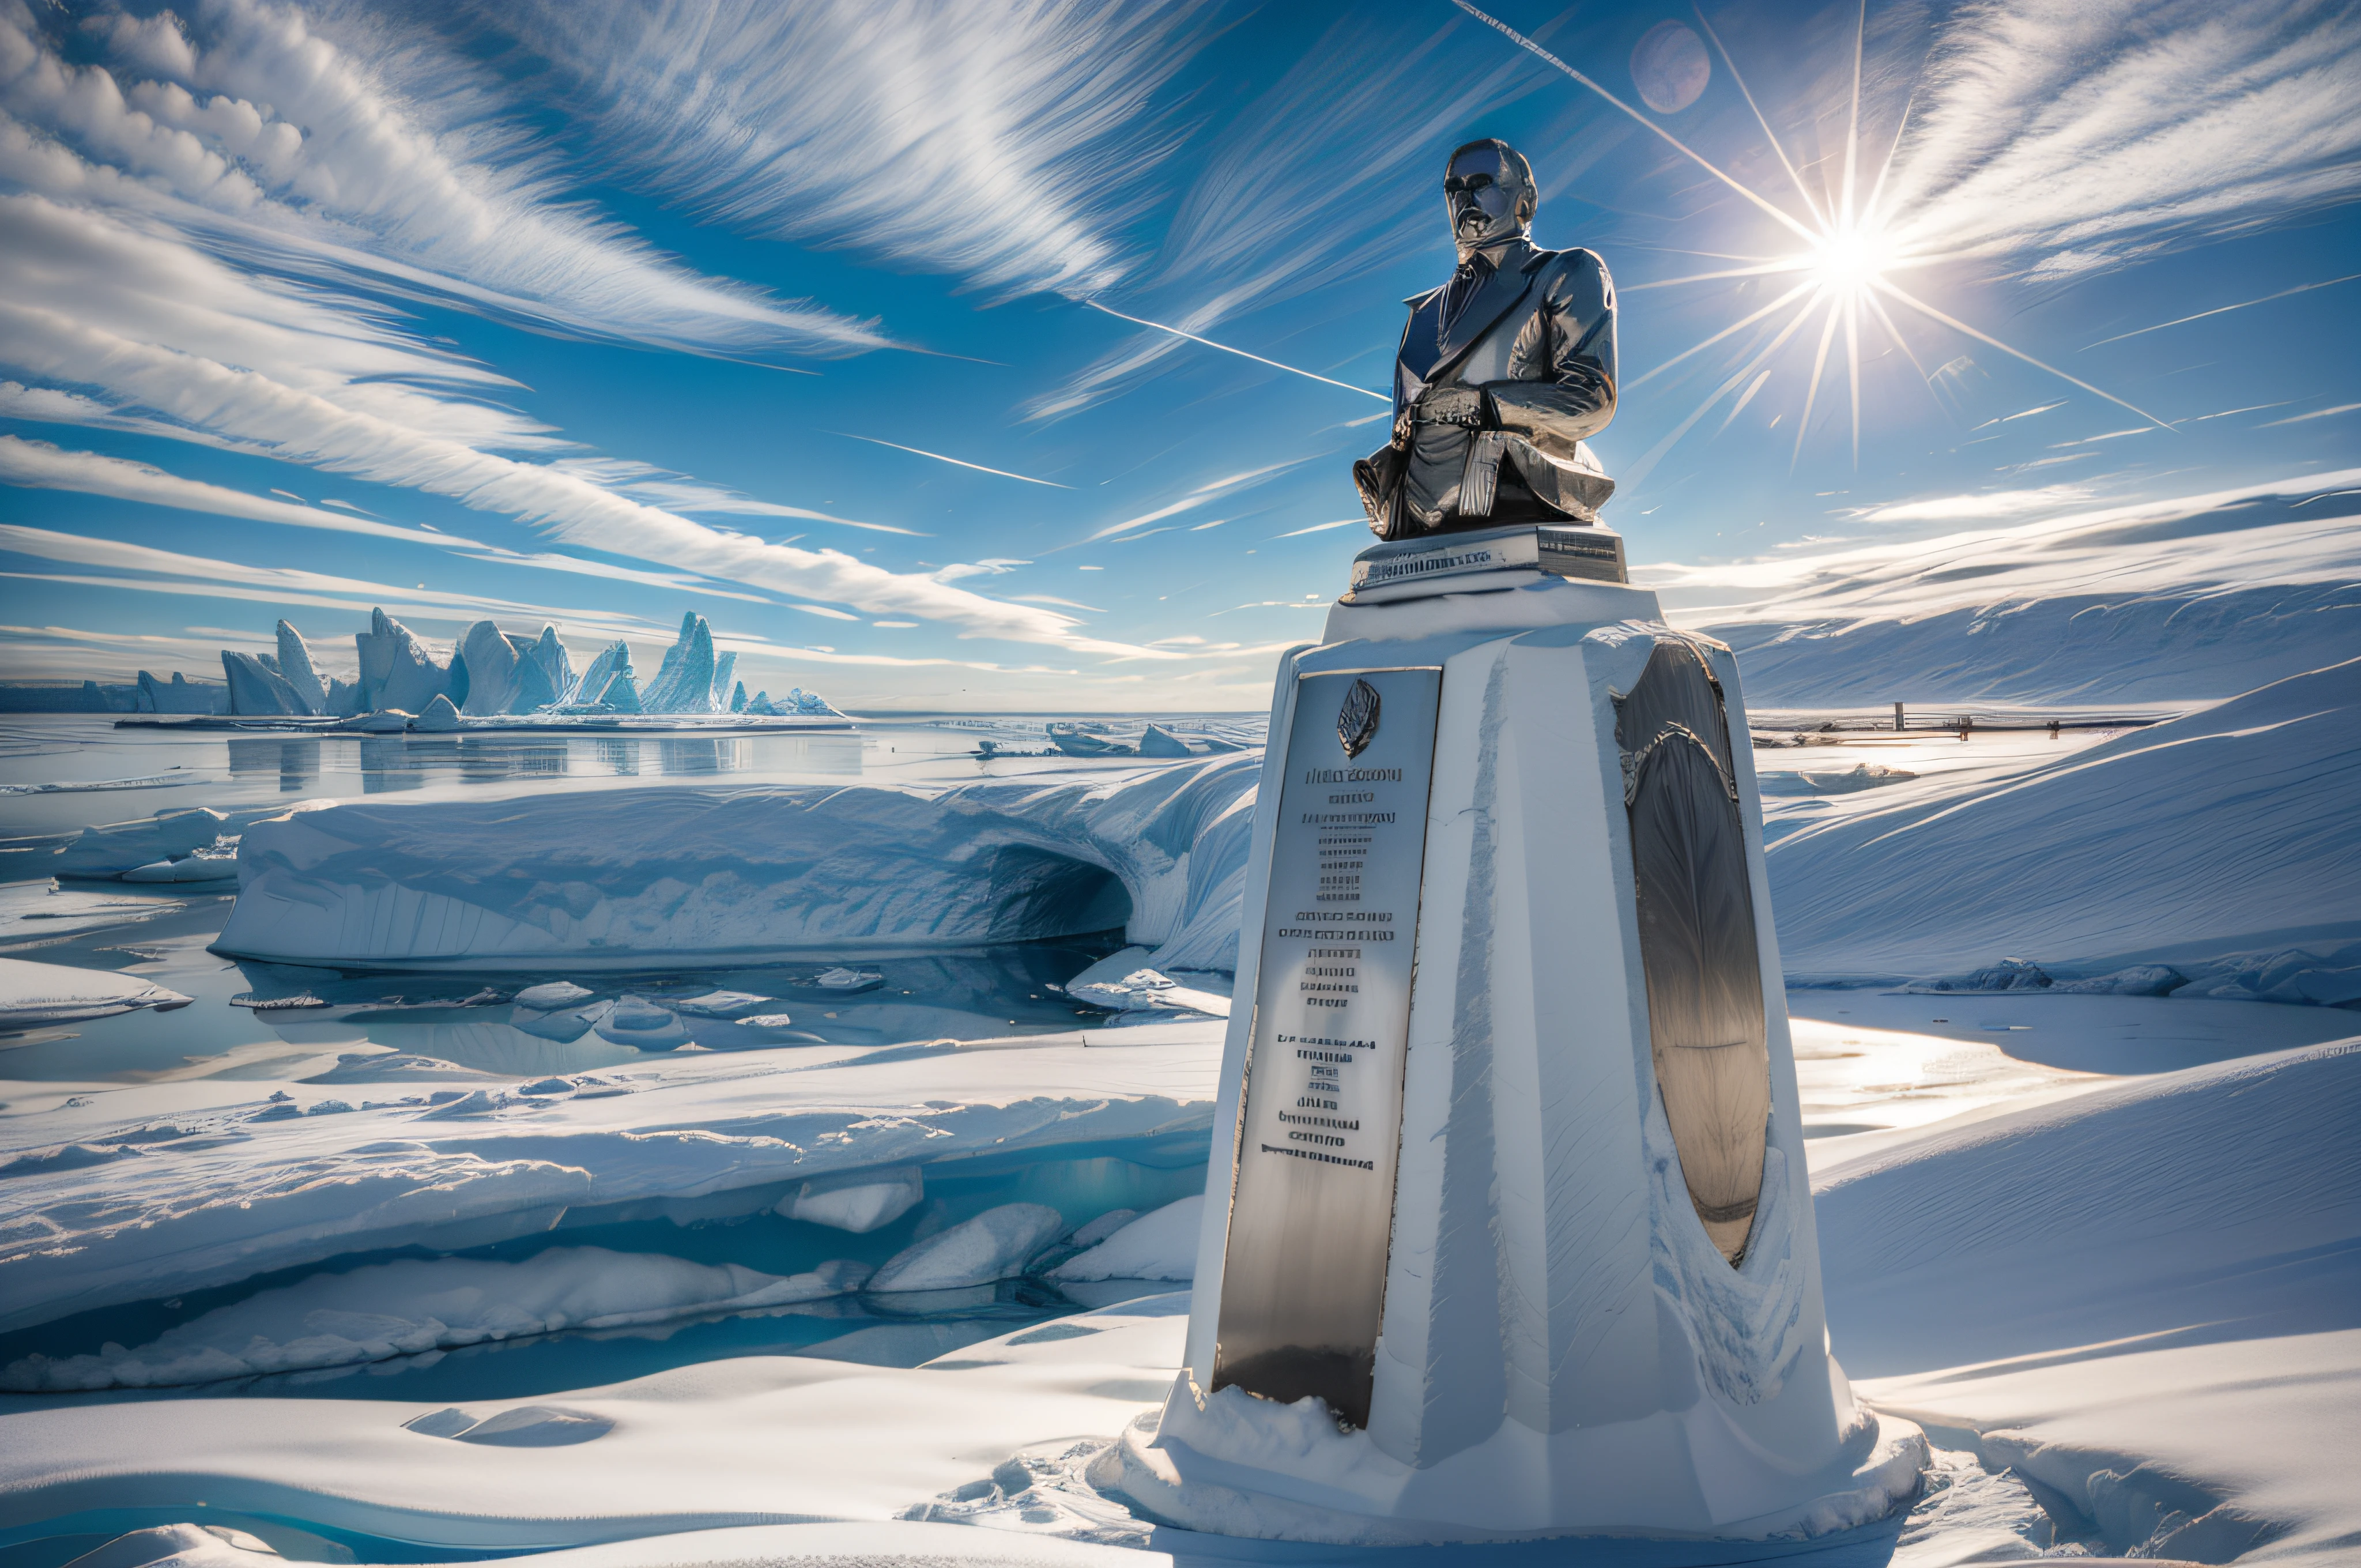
{"x": 1370, "y": 106}
{"x": 153, "y": 325}
{"x": 268, "y": 139}
{"x": 679, "y": 492}
{"x": 995, "y": 142}
{"x": 2252, "y": 533}
{"x": 1991, "y": 504}
{"x": 2081, "y": 137}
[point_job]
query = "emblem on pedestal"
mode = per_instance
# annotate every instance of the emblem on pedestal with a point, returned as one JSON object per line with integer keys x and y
{"x": 1357, "y": 721}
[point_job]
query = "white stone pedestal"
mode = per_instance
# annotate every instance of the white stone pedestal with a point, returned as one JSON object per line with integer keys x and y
{"x": 1471, "y": 1276}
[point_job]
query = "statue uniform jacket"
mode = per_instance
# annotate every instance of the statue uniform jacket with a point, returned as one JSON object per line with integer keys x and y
{"x": 1538, "y": 337}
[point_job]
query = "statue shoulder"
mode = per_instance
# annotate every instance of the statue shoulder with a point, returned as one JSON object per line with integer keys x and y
{"x": 1573, "y": 276}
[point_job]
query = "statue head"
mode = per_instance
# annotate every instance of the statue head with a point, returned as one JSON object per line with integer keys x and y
{"x": 1488, "y": 192}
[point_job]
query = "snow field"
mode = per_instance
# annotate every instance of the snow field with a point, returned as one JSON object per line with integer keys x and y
{"x": 2146, "y": 1297}
{"x": 2198, "y": 597}
{"x": 758, "y": 1440}
{"x": 2212, "y": 834}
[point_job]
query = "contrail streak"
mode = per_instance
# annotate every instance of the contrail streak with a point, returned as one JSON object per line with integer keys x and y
{"x": 1535, "y": 50}
{"x": 1138, "y": 320}
{"x": 1760, "y": 268}
{"x": 2267, "y": 299}
{"x": 956, "y": 462}
{"x": 1770, "y": 135}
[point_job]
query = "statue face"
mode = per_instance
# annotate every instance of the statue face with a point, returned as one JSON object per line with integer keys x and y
{"x": 1482, "y": 196}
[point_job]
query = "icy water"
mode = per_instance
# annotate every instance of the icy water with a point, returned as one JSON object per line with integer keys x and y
{"x": 64, "y": 773}
{"x": 61, "y": 772}
{"x": 470, "y": 1020}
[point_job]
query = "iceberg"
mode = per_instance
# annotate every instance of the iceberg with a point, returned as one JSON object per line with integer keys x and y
{"x": 996, "y": 1244}
{"x": 507, "y": 675}
{"x": 440, "y": 716}
{"x": 614, "y": 661}
{"x": 1158, "y": 741}
{"x": 255, "y": 687}
{"x": 295, "y": 669}
{"x": 116, "y": 847}
{"x": 179, "y": 694}
{"x": 396, "y": 669}
{"x": 725, "y": 669}
{"x": 556, "y": 665}
{"x": 641, "y": 874}
{"x": 684, "y": 682}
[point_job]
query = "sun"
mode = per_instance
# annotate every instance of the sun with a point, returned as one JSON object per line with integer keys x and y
{"x": 1850, "y": 259}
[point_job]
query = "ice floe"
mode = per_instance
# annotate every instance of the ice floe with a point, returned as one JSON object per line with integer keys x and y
{"x": 32, "y": 994}
{"x": 232, "y": 1184}
{"x": 621, "y": 876}
{"x": 415, "y": 1305}
{"x": 860, "y": 1203}
{"x": 1161, "y": 1244}
{"x": 995, "y": 1244}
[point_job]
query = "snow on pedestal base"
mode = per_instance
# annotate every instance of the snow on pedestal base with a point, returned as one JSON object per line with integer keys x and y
{"x": 1563, "y": 1347}
{"x": 1292, "y": 1474}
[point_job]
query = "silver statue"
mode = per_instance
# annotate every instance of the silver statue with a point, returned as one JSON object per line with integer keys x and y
{"x": 1501, "y": 373}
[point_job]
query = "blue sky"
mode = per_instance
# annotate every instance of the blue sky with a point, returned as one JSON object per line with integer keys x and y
{"x": 596, "y": 314}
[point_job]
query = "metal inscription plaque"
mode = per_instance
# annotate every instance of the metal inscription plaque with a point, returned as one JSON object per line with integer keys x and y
{"x": 1311, "y": 1202}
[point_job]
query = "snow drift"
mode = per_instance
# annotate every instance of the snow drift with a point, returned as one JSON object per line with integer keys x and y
{"x": 619, "y": 876}
{"x": 2201, "y": 597}
{"x": 2223, "y": 832}
{"x": 2146, "y": 1299}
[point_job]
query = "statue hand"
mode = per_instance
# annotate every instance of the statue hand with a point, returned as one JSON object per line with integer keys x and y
{"x": 1463, "y": 406}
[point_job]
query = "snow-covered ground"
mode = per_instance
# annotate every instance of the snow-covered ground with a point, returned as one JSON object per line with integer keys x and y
{"x": 2145, "y": 1300}
{"x": 2202, "y": 597}
{"x": 2130, "y": 1300}
{"x": 2187, "y": 845}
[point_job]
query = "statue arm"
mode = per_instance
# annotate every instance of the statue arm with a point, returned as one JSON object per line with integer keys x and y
{"x": 1561, "y": 370}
